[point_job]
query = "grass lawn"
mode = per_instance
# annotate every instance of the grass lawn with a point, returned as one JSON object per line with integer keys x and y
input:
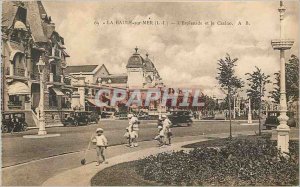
{"x": 246, "y": 160}
{"x": 121, "y": 175}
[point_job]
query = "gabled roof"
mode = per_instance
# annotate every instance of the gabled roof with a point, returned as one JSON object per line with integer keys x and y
{"x": 9, "y": 10}
{"x": 80, "y": 69}
{"x": 35, "y": 11}
{"x": 36, "y": 17}
{"x": 115, "y": 78}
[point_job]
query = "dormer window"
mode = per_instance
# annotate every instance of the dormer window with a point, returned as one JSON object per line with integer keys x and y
{"x": 56, "y": 52}
{"x": 19, "y": 27}
{"x": 21, "y": 14}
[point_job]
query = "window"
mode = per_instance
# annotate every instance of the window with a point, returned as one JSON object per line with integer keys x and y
{"x": 21, "y": 14}
{"x": 14, "y": 100}
{"x": 52, "y": 98}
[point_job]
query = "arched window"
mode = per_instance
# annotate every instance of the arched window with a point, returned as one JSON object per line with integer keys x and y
{"x": 18, "y": 65}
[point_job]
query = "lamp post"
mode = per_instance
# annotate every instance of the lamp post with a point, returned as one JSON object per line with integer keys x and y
{"x": 42, "y": 129}
{"x": 249, "y": 113}
{"x": 282, "y": 45}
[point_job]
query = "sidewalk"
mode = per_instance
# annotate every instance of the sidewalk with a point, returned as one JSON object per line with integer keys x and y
{"x": 82, "y": 175}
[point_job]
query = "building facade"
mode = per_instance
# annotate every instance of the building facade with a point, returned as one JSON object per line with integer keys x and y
{"x": 29, "y": 37}
{"x": 141, "y": 72}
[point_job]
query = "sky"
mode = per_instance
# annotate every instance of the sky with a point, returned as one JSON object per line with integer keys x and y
{"x": 185, "y": 56}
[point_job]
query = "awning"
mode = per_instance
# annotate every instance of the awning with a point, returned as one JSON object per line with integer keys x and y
{"x": 18, "y": 88}
{"x": 20, "y": 25}
{"x": 58, "y": 91}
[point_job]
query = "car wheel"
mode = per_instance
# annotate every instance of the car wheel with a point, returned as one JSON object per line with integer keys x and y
{"x": 24, "y": 126}
{"x": 76, "y": 123}
{"x": 4, "y": 129}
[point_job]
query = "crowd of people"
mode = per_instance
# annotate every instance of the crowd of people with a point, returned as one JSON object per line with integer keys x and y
{"x": 163, "y": 137}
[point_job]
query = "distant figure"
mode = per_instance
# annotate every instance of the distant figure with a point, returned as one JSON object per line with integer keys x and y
{"x": 127, "y": 136}
{"x": 160, "y": 136}
{"x": 133, "y": 129}
{"x": 167, "y": 130}
{"x": 101, "y": 144}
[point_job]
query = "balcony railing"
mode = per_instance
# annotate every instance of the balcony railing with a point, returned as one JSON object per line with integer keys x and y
{"x": 14, "y": 103}
{"x": 19, "y": 72}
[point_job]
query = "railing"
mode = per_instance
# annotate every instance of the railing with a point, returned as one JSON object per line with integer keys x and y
{"x": 14, "y": 103}
{"x": 19, "y": 72}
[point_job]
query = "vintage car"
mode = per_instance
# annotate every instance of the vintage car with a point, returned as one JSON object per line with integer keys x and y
{"x": 77, "y": 118}
{"x": 121, "y": 115}
{"x": 13, "y": 122}
{"x": 272, "y": 121}
{"x": 93, "y": 117}
{"x": 142, "y": 116}
{"x": 179, "y": 118}
{"x": 106, "y": 114}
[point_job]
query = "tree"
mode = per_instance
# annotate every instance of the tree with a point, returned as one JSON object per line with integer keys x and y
{"x": 292, "y": 81}
{"x": 228, "y": 80}
{"x": 257, "y": 82}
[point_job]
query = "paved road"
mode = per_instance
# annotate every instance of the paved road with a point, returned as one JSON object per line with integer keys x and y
{"x": 44, "y": 158}
{"x": 16, "y": 149}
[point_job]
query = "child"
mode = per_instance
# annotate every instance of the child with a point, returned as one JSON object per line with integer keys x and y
{"x": 127, "y": 136}
{"x": 160, "y": 136}
{"x": 101, "y": 144}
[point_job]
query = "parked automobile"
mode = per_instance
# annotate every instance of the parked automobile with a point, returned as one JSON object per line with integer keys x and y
{"x": 77, "y": 118}
{"x": 143, "y": 116}
{"x": 13, "y": 122}
{"x": 93, "y": 117}
{"x": 106, "y": 114}
{"x": 179, "y": 118}
{"x": 121, "y": 115}
{"x": 272, "y": 121}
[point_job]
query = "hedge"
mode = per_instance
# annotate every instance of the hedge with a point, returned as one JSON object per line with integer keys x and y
{"x": 238, "y": 162}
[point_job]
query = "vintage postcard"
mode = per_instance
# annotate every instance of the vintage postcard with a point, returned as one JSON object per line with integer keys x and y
{"x": 150, "y": 93}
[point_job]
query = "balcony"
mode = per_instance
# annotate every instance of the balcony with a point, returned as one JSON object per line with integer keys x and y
{"x": 282, "y": 44}
{"x": 19, "y": 72}
{"x": 14, "y": 104}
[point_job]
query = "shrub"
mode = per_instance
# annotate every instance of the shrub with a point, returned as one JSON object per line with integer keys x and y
{"x": 238, "y": 162}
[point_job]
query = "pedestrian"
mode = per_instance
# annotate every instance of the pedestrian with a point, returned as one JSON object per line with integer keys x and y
{"x": 167, "y": 130}
{"x": 133, "y": 130}
{"x": 127, "y": 136}
{"x": 101, "y": 144}
{"x": 160, "y": 136}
